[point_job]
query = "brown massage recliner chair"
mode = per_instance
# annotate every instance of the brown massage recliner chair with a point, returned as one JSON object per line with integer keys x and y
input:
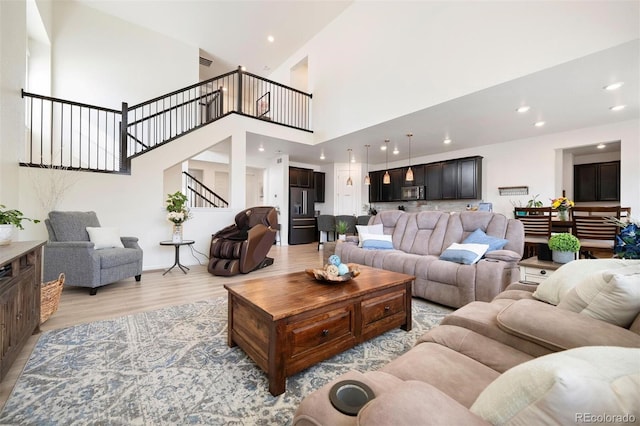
{"x": 243, "y": 246}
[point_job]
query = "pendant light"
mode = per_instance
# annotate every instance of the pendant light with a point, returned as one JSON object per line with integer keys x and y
{"x": 386, "y": 179}
{"x": 409, "y": 175}
{"x": 367, "y": 180}
{"x": 349, "y": 181}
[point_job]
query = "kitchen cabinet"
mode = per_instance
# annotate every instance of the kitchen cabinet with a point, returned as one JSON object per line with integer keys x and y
{"x": 597, "y": 181}
{"x": 469, "y": 178}
{"x": 445, "y": 180}
{"x": 375, "y": 188}
{"x": 393, "y": 191}
{"x": 418, "y": 175}
{"x": 318, "y": 185}
{"x": 299, "y": 177}
{"x": 433, "y": 181}
{"x": 450, "y": 180}
{"x": 462, "y": 179}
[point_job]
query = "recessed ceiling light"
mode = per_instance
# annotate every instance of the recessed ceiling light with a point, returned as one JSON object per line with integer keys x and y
{"x": 447, "y": 141}
{"x": 322, "y": 156}
{"x": 224, "y": 89}
{"x": 601, "y": 146}
{"x": 243, "y": 68}
{"x": 270, "y": 39}
{"x": 617, "y": 108}
{"x": 261, "y": 148}
{"x": 523, "y": 108}
{"x": 614, "y": 86}
{"x": 395, "y": 151}
{"x": 383, "y": 148}
{"x": 539, "y": 123}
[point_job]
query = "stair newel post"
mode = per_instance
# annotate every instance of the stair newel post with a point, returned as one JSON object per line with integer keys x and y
{"x": 239, "y": 102}
{"x": 125, "y": 163}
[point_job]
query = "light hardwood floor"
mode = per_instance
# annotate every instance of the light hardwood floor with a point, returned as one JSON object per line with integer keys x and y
{"x": 153, "y": 292}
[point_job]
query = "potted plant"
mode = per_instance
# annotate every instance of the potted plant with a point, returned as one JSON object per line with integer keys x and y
{"x": 534, "y": 202}
{"x": 564, "y": 247}
{"x": 9, "y": 219}
{"x": 341, "y": 229}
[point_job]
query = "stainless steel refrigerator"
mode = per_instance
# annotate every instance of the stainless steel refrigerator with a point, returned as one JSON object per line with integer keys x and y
{"x": 302, "y": 222}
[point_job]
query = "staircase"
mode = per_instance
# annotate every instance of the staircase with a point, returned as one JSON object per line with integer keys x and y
{"x": 69, "y": 135}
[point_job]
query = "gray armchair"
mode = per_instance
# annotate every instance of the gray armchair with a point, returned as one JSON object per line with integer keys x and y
{"x": 71, "y": 251}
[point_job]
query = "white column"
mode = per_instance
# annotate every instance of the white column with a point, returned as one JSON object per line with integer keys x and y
{"x": 237, "y": 170}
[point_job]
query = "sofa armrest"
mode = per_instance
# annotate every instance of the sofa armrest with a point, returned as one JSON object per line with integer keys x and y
{"x": 508, "y": 256}
{"x": 416, "y": 403}
{"x": 130, "y": 242}
{"x": 559, "y": 329}
{"x": 524, "y": 286}
{"x": 77, "y": 259}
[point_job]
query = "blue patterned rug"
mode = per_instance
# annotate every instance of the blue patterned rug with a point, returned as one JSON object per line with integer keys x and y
{"x": 173, "y": 366}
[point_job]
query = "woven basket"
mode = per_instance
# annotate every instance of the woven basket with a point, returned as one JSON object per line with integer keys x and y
{"x": 50, "y": 297}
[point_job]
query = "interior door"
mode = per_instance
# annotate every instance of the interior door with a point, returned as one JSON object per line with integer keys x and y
{"x": 346, "y": 199}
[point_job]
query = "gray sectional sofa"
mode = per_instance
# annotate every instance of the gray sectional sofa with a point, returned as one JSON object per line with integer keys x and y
{"x": 420, "y": 238}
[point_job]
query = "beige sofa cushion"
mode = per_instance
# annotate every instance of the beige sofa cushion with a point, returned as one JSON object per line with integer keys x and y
{"x": 566, "y": 387}
{"x": 612, "y": 296}
{"x": 554, "y": 288}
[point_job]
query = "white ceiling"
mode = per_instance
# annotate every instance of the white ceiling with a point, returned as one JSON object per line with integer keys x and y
{"x": 568, "y": 96}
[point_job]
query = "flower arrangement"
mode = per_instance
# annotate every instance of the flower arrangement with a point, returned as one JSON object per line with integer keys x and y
{"x": 561, "y": 203}
{"x": 564, "y": 242}
{"x": 176, "y": 206}
{"x": 627, "y": 245}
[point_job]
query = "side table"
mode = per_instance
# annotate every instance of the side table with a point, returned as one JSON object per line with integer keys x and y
{"x": 177, "y": 258}
{"x": 536, "y": 271}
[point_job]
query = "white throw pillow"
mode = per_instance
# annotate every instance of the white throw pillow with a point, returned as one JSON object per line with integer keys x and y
{"x": 554, "y": 288}
{"x": 368, "y": 229}
{"x": 467, "y": 254}
{"x": 612, "y": 296}
{"x": 104, "y": 237}
{"x": 567, "y": 387}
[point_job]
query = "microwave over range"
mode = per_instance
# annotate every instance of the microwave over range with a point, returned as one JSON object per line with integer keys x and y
{"x": 413, "y": 193}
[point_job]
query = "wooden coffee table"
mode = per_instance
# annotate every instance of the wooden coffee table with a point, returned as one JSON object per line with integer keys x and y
{"x": 291, "y": 322}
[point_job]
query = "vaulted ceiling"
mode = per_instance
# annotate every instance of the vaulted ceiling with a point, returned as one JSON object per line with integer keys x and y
{"x": 568, "y": 96}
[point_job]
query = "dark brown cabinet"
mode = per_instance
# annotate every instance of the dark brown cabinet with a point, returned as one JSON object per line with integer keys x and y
{"x": 375, "y": 188}
{"x": 433, "y": 181}
{"x": 318, "y": 185}
{"x": 446, "y": 180}
{"x": 20, "y": 278}
{"x": 469, "y": 178}
{"x": 393, "y": 190}
{"x": 300, "y": 177}
{"x": 597, "y": 181}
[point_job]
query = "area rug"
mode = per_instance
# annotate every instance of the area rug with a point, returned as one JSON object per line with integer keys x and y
{"x": 173, "y": 366}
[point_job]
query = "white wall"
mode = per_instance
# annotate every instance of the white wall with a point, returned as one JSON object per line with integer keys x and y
{"x": 102, "y": 60}
{"x": 13, "y": 44}
{"x": 365, "y": 62}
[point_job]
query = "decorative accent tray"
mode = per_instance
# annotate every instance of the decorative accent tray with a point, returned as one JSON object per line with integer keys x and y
{"x": 323, "y": 275}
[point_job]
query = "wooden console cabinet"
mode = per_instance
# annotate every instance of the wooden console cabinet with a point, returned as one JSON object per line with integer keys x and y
{"x": 20, "y": 280}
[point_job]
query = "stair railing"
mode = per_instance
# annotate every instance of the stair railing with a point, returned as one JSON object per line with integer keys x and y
{"x": 72, "y": 135}
{"x": 78, "y": 136}
{"x": 199, "y": 195}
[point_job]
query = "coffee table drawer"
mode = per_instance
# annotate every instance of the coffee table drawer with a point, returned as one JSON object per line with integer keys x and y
{"x": 381, "y": 307}
{"x": 322, "y": 329}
